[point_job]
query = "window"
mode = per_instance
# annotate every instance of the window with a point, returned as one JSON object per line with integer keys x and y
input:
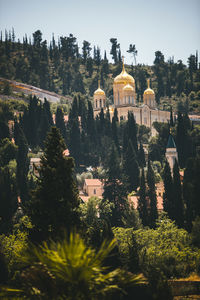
{"x": 100, "y": 102}
{"x": 145, "y": 120}
{"x": 96, "y": 103}
{"x": 94, "y": 191}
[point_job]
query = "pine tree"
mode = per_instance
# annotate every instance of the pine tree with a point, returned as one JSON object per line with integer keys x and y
{"x": 153, "y": 213}
{"x": 54, "y": 201}
{"x": 168, "y": 197}
{"x": 131, "y": 168}
{"x": 142, "y": 201}
{"x": 178, "y": 197}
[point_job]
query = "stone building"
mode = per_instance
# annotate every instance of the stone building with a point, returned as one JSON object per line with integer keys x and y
{"x": 125, "y": 100}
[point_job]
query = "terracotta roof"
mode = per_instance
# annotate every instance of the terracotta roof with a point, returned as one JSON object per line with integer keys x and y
{"x": 134, "y": 200}
{"x": 93, "y": 182}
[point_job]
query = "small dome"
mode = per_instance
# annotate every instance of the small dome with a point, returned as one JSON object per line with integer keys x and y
{"x": 124, "y": 77}
{"x": 148, "y": 91}
{"x": 128, "y": 87}
{"x": 99, "y": 91}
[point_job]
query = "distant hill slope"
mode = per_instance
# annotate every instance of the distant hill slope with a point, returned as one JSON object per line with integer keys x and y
{"x": 32, "y": 90}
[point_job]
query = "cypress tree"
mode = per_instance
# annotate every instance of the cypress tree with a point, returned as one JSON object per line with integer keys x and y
{"x": 142, "y": 201}
{"x": 131, "y": 168}
{"x": 108, "y": 131}
{"x": 178, "y": 198}
{"x": 153, "y": 213}
{"x": 75, "y": 142}
{"x": 168, "y": 197}
{"x": 60, "y": 123}
{"x": 130, "y": 133}
{"x": 46, "y": 107}
{"x": 91, "y": 130}
{"x": 191, "y": 190}
{"x": 22, "y": 166}
{"x": 54, "y": 203}
{"x": 113, "y": 188}
{"x": 141, "y": 156}
{"x": 171, "y": 118}
{"x": 8, "y": 199}
{"x": 115, "y": 132}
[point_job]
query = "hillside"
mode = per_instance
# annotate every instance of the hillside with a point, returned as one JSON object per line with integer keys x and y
{"x": 63, "y": 69}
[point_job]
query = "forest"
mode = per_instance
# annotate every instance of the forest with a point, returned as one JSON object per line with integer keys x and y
{"x": 52, "y": 244}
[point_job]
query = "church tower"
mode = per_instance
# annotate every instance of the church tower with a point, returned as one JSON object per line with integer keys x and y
{"x": 124, "y": 89}
{"x": 99, "y": 98}
{"x": 171, "y": 152}
{"x": 149, "y": 96}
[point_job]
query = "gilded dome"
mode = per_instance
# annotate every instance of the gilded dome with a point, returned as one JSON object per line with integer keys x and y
{"x": 128, "y": 87}
{"x": 99, "y": 91}
{"x": 148, "y": 91}
{"x": 124, "y": 77}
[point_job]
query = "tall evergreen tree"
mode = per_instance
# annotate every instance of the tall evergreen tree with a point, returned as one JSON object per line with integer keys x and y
{"x": 191, "y": 190}
{"x": 130, "y": 133}
{"x": 153, "y": 213}
{"x": 60, "y": 122}
{"x": 131, "y": 168}
{"x": 178, "y": 197}
{"x": 22, "y": 166}
{"x": 54, "y": 203}
{"x": 168, "y": 197}
{"x": 141, "y": 156}
{"x": 113, "y": 188}
{"x": 142, "y": 201}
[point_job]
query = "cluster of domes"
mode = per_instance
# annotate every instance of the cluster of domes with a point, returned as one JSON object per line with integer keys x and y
{"x": 124, "y": 89}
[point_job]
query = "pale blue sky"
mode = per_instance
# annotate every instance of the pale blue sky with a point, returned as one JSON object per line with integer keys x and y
{"x": 171, "y": 26}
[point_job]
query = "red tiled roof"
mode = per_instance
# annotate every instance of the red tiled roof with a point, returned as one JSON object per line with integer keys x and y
{"x": 93, "y": 182}
{"x": 134, "y": 200}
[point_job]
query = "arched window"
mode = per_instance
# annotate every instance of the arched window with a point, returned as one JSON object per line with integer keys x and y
{"x": 100, "y": 102}
{"x": 96, "y": 103}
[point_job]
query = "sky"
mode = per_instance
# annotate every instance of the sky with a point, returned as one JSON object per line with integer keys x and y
{"x": 171, "y": 26}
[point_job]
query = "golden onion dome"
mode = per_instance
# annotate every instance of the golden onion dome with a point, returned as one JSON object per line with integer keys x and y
{"x": 128, "y": 87}
{"x": 99, "y": 91}
{"x": 148, "y": 91}
{"x": 124, "y": 77}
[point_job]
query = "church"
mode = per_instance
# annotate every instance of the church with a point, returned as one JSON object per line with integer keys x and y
{"x": 125, "y": 100}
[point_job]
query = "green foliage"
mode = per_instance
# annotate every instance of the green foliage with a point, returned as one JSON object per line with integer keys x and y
{"x": 56, "y": 193}
{"x": 166, "y": 249}
{"x": 7, "y": 151}
{"x": 14, "y": 244}
{"x": 71, "y": 269}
